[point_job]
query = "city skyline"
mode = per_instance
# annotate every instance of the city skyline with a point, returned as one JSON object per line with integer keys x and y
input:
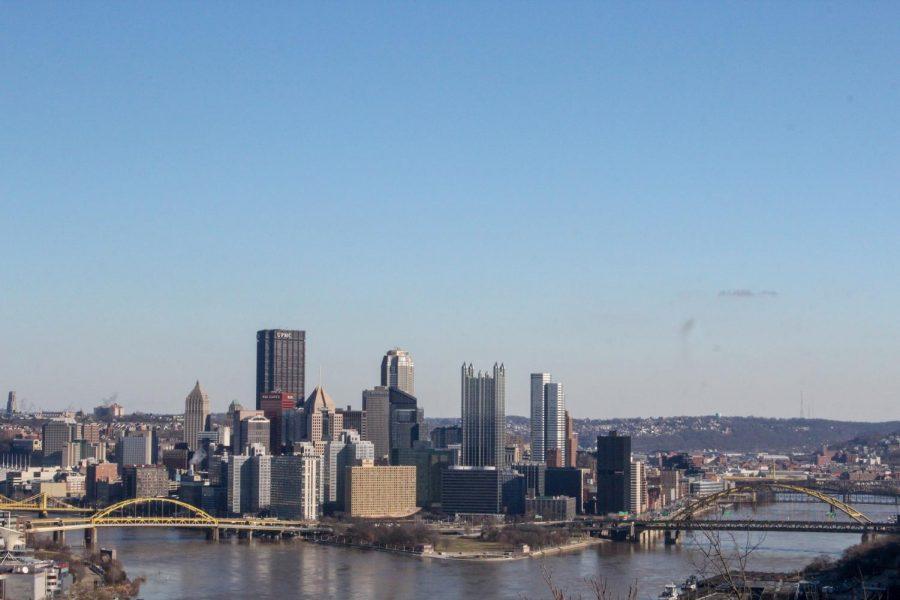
{"x": 805, "y": 406}
{"x": 660, "y": 238}
{"x": 716, "y": 206}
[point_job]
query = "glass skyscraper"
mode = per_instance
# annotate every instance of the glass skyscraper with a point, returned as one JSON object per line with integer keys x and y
{"x": 483, "y": 417}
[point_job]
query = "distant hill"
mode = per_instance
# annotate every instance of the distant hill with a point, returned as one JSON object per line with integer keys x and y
{"x": 732, "y": 434}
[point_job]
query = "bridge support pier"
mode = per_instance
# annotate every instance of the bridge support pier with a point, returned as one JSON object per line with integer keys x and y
{"x": 672, "y": 536}
{"x": 635, "y": 533}
{"x": 90, "y": 537}
{"x": 868, "y": 536}
{"x": 59, "y": 537}
{"x": 212, "y": 534}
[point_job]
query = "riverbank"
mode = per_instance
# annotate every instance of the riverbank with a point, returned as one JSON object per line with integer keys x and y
{"x": 96, "y": 576}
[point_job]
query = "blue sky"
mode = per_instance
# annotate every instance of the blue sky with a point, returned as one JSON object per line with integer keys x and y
{"x": 673, "y": 207}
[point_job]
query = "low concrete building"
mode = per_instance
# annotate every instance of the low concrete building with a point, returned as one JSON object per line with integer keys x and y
{"x": 555, "y": 508}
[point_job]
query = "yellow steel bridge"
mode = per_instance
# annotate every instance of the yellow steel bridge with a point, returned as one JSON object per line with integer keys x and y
{"x": 148, "y": 512}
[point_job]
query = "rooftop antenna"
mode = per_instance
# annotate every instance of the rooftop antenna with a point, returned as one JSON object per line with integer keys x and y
{"x": 320, "y": 375}
{"x": 801, "y": 404}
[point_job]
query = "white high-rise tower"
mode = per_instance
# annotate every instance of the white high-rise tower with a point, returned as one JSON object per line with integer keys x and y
{"x": 548, "y": 417}
{"x": 538, "y": 417}
{"x": 398, "y": 371}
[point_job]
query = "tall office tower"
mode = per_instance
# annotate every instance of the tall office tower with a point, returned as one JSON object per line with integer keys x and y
{"x": 295, "y": 482}
{"x": 274, "y": 406}
{"x": 323, "y": 422}
{"x": 280, "y": 362}
{"x": 196, "y": 412}
{"x": 548, "y": 426}
{"x": 256, "y": 430}
{"x": 442, "y": 437}
{"x": 355, "y": 420}
{"x": 613, "y": 473}
{"x": 90, "y": 432}
{"x": 261, "y": 478}
{"x": 407, "y": 420}
{"x": 538, "y": 418}
{"x": 535, "y": 476}
{"x": 238, "y": 414}
{"x": 555, "y": 415}
{"x": 483, "y": 417}
{"x": 136, "y": 448}
{"x": 637, "y": 489}
{"x": 347, "y": 451}
{"x": 239, "y": 481}
{"x": 398, "y": 371}
{"x": 376, "y": 404}
{"x": 11, "y": 407}
{"x": 55, "y": 435}
{"x": 430, "y": 464}
{"x": 294, "y": 426}
{"x": 571, "y": 442}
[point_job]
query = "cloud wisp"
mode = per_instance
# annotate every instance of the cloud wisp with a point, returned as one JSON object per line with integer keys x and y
{"x": 745, "y": 293}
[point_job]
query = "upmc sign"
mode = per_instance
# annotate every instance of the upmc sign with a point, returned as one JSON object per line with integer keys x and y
{"x": 283, "y": 335}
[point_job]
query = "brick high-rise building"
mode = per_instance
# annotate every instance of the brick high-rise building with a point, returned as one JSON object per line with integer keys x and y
{"x": 280, "y": 362}
{"x": 97, "y": 475}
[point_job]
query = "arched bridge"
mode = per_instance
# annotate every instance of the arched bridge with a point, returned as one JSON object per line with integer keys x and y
{"x": 704, "y": 503}
{"x": 164, "y": 512}
{"x": 42, "y": 503}
{"x": 690, "y": 516}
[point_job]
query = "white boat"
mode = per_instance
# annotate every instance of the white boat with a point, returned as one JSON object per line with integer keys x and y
{"x": 690, "y": 584}
{"x": 670, "y": 591}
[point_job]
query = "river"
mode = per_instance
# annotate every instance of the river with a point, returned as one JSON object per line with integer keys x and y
{"x": 181, "y": 564}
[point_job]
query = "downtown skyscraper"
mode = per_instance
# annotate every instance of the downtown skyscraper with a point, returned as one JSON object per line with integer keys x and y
{"x": 613, "y": 473}
{"x": 398, "y": 371}
{"x": 280, "y": 362}
{"x": 483, "y": 417}
{"x": 196, "y": 412}
{"x": 548, "y": 420}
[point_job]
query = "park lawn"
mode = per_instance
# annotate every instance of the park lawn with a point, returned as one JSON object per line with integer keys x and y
{"x": 455, "y": 543}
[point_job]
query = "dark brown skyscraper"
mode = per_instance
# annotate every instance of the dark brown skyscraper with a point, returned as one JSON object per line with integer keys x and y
{"x": 280, "y": 362}
{"x": 613, "y": 473}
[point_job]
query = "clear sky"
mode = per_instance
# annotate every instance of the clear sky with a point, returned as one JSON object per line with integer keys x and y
{"x": 675, "y": 208}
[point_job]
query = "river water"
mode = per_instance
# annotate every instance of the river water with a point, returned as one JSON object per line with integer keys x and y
{"x": 183, "y": 565}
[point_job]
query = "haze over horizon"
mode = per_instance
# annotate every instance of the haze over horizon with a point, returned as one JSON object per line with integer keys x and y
{"x": 685, "y": 210}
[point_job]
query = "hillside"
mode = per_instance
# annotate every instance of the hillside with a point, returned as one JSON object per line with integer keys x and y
{"x": 734, "y": 434}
